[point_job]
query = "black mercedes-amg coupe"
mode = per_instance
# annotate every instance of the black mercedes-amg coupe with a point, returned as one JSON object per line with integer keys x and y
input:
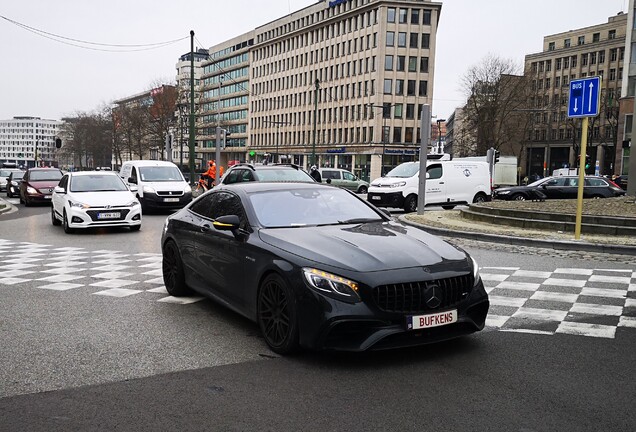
{"x": 317, "y": 267}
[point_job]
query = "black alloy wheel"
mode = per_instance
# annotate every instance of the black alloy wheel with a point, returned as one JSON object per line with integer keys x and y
{"x": 518, "y": 197}
{"x": 67, "y": 228}
{"x": 479, "y": 198}
{"x": 172, "y": 268}
{"x": 410, "y": 203}
{"x": 55, "y": 221}
{"x": 277, "y": 315}
{"x": 362, "y": 190}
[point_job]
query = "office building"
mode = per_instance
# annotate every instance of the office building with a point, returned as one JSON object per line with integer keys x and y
{"x": 29, "y": 141}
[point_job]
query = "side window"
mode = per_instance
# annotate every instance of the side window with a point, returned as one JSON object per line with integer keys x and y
{"x": 557, "y": 182}
{"x": 202, "y": 205}
{"x": 595, "y": 182}
{"x": 233, "y": 177}
{"x": 64, "y": 182}
{"x": 219, "y": 204}
{"x": 572, "y": 182}
{"x": 330, "y": 174}
{"x": 348, "y": 176}
{"x": 246, "y": 176}
{"x": 434, "y": 172}
{"x": 133, "y": 173}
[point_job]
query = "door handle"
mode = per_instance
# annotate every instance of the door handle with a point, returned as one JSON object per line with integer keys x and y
{"x": 441, "y": 182}
{"x": 205, "y": 228}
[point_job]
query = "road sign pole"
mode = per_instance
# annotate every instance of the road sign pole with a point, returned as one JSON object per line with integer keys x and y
{"x": 579, "y": 197}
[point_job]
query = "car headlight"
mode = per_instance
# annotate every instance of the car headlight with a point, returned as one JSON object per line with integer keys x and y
{"x": 78, "y": 204}
{"x": 332, "y": 285}
{"x": 505, "y": 192}
{"x": 475, "y": 271}
{"x": 132, "y": 203}
{"x": 148, "y": 189}
{"x": 398, "y": 184}
{"x": 187, "y": 189}
{"x": 14, "y": 183}
{"x": 375, "y": 184}
{"x": 31, "y": 190}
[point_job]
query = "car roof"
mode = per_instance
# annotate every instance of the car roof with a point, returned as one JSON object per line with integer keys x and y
{"x": 264, "y": 167}
{"x": 43, "y": 169}
{"x": 85, "y": 173}
{"x": 264, "y": 186}
{"x": 149, "y": 163}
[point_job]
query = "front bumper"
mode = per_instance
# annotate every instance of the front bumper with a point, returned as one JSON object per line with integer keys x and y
{"x": 389, "y": 199}
{"x": 163, "y": 200}
{"x": 90, "y": 218}
{"x": 334, "y": 325}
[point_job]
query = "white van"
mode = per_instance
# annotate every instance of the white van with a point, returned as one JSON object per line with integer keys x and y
{"x": 448, "y": 183}
{"x": 160, "y": 184}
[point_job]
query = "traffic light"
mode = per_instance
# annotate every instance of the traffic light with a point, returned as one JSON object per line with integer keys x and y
{"x": 58, "y": 143}
{"x": 495, "y": 157}
{"x": 587, "y": 162}
{"x": 252, "y": 153}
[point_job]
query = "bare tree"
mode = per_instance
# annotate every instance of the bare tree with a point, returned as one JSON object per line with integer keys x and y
{"x": 88, "y": 138}
{"x": 497, "y": 95}
{"x": 161, "y": 114}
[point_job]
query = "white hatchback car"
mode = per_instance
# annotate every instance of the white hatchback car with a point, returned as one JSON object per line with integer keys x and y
{"x": 88, "y": 199}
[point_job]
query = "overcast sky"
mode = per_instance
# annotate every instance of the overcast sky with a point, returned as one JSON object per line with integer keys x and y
{"x": 43, "y": 78}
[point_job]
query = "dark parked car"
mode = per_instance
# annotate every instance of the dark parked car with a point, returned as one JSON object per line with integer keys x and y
{"x": 317, "y": 267}
{"x": 4, "y": 176}
{"x": 561, "y": 187}
{"x": 271, "y": 173}
{"x": 37, "y": 185}
{"x": 13, "y": 183}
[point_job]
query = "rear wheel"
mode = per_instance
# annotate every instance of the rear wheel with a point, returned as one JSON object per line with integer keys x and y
{"x": 518, "y": 197}
{"x": 479, "y": 198}
{"x": 67, "y": 228}
{"x": 172, "y": 268}
{"x": 277, "y": 315}
{"x": 362, "y": 190}
{"x": 54, "y": 220}
{"x": 410, "y": 203}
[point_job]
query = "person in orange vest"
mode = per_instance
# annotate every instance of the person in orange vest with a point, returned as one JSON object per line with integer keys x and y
{"x": 210, "y": 174}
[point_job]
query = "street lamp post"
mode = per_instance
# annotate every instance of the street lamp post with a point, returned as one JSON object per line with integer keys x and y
{"x": 181, "y": 107}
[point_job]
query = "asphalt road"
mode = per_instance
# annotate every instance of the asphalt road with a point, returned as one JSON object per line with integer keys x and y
{"x": 72, "y": 360}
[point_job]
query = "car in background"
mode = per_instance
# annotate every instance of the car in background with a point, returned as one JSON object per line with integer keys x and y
{"x": 4, "y": 176}
{"x": 89, "y": 199}
{"x": 265, "y": 173}
{"x": 37, "y": 185}
{"x": 327, "y": 270}
{"x": 13, "y": 183}
{"x": 561, "y": 187}
{"x": 344, "y": 179}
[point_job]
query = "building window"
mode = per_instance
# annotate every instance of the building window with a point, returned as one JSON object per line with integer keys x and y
{"x": 410, "y": 88}
{"x": 566, "y": 43}
{"x": 584, "y": 59}
{"x": 426, "y": 17}
{"x": 426, "y": 40}
{"x": 613, "y": 54}
{"x": 592, "y": 58}
{"x": 424, "y": 64}
{"x": 573, "y": 61}
{"x": 558, "y": 64}
{"x": 399, "y": 87}
{"x": 388, "y": 86}
{"x": 596, "y": 37}
{"x": 397, "y": 111}
{"x": 611, "y": 34}
{"x": 551, "y": 46}
{"x": 388, "y": 62}
{"x": 403, "y": 14}
{"x": 581, "y": 40}
{"x": 401, "y": 63}
{"x": 612, "y": 74}
{"x": 541, "y": 66}
{"x": 547, "y": 83}
{"x": 390, "y": 15}
{"x": 397, "y": 135}
{"x": 415, "y": 16}
{"x": 601, "y": 57}
{"x": 533, "y": 67}
{"x": 390, "y": 38}
{"x": 566, "y": 62}
{"x": 413, "y": 40}
{"x": 548, "y": 65}
{"x": 423, "y": 90}
{"x": 402, "y": 39}
{"x": 557, "y": 82}
{"x": 412, "y": 64}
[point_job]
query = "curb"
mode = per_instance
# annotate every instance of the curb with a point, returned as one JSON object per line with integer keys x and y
{"x": 524, "y": 241}
{"x": 6, "y": 207}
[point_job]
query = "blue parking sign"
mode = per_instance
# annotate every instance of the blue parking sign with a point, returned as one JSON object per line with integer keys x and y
{"x": 584, "y": 97}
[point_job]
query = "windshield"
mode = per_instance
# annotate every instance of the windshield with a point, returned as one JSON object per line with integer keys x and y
{"x": 404, "y": 170}
{"x": 311, "y": 206}
{"x": 95, "y": 183}
{"x": 45, "y": 175}
{"x": 537, "y": 183}
{"x": 160, "y": 174}
{"x": 17, "y": 175}
{"x": 283, "y": 174}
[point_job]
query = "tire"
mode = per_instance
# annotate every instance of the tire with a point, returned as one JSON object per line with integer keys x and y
{"x": 518, "y": 197}
{"x": 172, "y": 269}
{"x": 448, "y": 207}
{"x": 135, "y": 227}
{"x": 277, "y": 316}
{"x": 144, "y": 206}
{"x": 410, "y": 203}
{"x": 67, "y": 228}
{"x": 55, "y": 221}
{"x": 479, "y": 198}
{"x": 362, "y": 190}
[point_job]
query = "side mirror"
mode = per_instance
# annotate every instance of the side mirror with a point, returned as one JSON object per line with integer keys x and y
{"x": 133, "y": 188}
{"x": 227, "y": 223}
{"x": 132, "y": 180}
{"x": 59, "y": 189}
{"x": 385, "y": 211}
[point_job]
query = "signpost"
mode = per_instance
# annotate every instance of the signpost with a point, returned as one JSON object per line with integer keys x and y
{"x": 584, "y": 102}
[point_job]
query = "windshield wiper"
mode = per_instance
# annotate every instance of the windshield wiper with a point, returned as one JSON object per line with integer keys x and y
{"x": 359, "y": 220}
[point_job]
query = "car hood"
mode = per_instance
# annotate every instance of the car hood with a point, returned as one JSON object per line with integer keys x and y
{"x": 388, "y": 181}
{"x": 101, "y": 199}
{"x": 173, "y": 186}
{"x": 365, "y": 247}
{"x": 43, "y": 184}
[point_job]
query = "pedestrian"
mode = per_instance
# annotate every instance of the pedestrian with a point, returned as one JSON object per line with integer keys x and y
{"x": 315, "y": 174}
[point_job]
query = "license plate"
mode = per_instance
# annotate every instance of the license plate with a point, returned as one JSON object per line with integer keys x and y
{"x": 171, "y": 200}
{"x": 376, "y": 197}
{"x": 112, "y": 215}
{"x": 48, "y": 196}
{"x": 432, "y": 320}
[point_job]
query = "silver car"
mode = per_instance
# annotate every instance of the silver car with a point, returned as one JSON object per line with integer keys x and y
{"x": 344, "y": 179}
